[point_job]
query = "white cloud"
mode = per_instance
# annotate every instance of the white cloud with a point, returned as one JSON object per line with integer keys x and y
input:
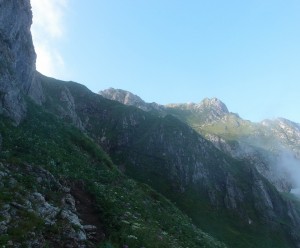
{"x": 48, "y": 30}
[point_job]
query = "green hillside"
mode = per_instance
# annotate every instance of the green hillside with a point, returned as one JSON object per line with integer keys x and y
{"x": 132, "y": 213}
{"x": 219, "y": 193}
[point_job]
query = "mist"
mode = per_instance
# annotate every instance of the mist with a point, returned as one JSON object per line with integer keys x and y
{"x": 289, "y": 164}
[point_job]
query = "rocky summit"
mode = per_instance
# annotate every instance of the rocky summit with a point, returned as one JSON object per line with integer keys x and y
{"x": 130, "y": 99}
{"x": 79, "y": 169}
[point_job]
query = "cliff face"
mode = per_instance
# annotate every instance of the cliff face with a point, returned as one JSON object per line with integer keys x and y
{"x": 17, "y": 60}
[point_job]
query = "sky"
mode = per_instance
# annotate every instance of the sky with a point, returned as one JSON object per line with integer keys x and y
{"x": 246, "y": 53}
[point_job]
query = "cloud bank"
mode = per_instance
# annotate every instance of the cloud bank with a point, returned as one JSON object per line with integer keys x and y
{"x": 48, "y": 30}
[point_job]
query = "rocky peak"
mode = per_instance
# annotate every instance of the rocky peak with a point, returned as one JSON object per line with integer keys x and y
{"x": 214, "y": 104}
{"x": 17, "y": 61}
{"x": 128, "y": 98}
{"x": 207, "y": 104}
{"x": 207, "y": 111}
{"x": 122, "y": 96}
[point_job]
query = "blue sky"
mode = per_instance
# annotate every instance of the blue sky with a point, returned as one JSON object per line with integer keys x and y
{"x": 246, "y": 53}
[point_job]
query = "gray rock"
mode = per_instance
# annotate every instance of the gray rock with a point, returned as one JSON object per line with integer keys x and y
{"x": 18, "y": 206}
{"x": 39, "y": 197}
{"x": 45, "y": 210}
{"x": 71, "y": 217}
{"x": 130, "y": 99}
{"x": 6, "y": 216}
{"x": 81, "y": 236}
{"x": 17, "y": 61}
{"x": 3, "y": 229}
{"x": 2, "y": 174}
{"x": 89, "y": 228}
{"x": 68, "y": 108}
{"x": 66, "y": 189}
{"x": 69, "y": 202}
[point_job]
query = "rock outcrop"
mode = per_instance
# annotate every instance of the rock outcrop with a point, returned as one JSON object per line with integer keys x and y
{"x": 130, "y": 99}
{"x": 17, "y": 60}
{"x": 39, "y": 211}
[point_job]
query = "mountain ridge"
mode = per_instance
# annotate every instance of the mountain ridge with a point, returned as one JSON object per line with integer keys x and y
{"x": 154, "y": 179}
{"x": 116, "y": 95}
{"x": 217, "y": 123}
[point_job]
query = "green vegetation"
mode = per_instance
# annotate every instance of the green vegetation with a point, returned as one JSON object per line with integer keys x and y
{"x": 133, "y": 213}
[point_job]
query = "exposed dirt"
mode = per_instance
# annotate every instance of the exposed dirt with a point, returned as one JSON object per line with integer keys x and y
{"x": 88, "y": 211}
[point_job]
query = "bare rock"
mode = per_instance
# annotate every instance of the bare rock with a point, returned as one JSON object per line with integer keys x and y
{"x": 89, "y": 228}
{"x": 69, "y": 202}
{"x": 68, "y": 108}
{"x": 17, "y": 61}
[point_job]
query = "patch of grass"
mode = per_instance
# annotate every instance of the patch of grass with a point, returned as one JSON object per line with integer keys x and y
{"x": 28, "y": 222}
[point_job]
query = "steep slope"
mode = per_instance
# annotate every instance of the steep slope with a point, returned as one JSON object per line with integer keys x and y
{"x": 272, "y": 146}
{"x": 57, "y": 186}
{"x": 43, "y": 159}
{"x": 171, "y": 157}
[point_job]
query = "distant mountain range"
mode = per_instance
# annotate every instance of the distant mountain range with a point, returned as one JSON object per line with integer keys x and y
{"x": 79, "y": 169}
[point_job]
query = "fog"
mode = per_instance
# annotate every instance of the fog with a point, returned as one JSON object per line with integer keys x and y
{"x": 289, "y": 164}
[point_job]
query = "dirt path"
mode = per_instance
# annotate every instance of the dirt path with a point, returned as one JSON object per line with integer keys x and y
{"x": 88, "y": 212}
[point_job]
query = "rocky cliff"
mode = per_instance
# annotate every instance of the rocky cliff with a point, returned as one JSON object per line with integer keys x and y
{"x": 17, "y": 59}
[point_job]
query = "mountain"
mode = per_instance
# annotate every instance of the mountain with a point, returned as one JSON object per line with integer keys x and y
{"x": 267, "y": 145}
{"x": 80, "y": 170}
{"x": 249, "y": 143}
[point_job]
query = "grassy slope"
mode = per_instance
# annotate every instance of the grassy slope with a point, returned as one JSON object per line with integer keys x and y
{"x": 133, "y": 213}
